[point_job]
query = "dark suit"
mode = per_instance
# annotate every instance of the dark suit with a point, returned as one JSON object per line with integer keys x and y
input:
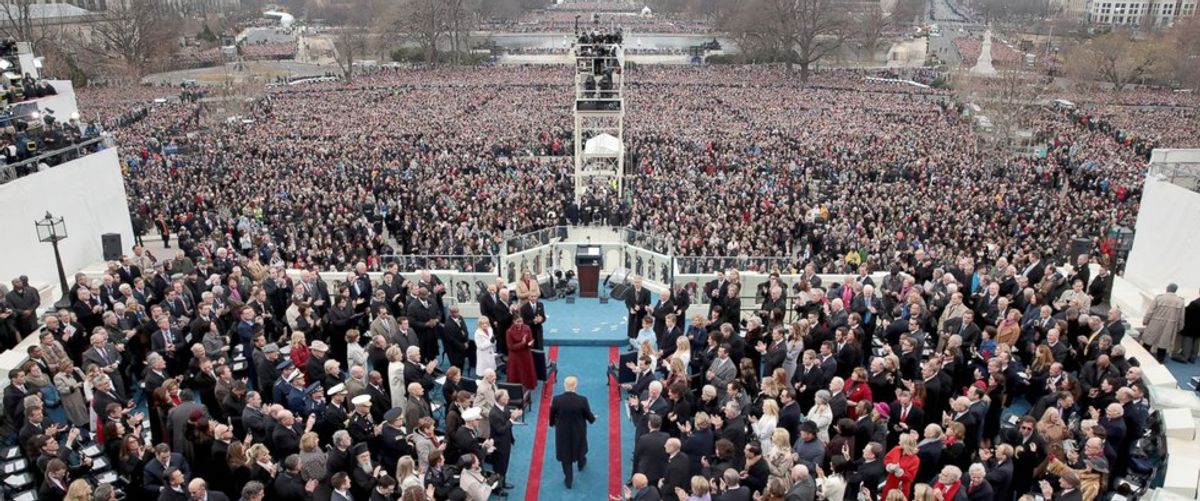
{"x": 659, "y": 406}
{"x": 677, "y": 475}
{"x": 650, "y": 455}
{"x": 570, "y": 415}
{"x": 419, "y": 315}
{"x": 500, "y": 423}
{"x": 915, "y": 421}
{"x": 648, "y": 493}
{"x": 457, "y": 342}
{"x": 971, "y": 423}
{"x": 286, "y": 441}
{"x": 152, "y": 478}
{"x": 51, "y": 491}
{"x": 930, "y": 455}
{"x": 638, "y": 299}
{"x": 742, "y": 493}
{"x": 790, "y": 417}
{"x": 775, "y": 357}
{"x": 970, "y": 333}
{"x": 999, "y": 475}
{"x": 981, "y": 492}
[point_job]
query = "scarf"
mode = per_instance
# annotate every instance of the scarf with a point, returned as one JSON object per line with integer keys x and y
{"x": 948, "y": 491}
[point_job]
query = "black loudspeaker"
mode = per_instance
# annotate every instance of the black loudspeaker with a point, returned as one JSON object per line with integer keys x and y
{"x": 111, "y": 243}
{"x": 1079, "y": 246}
{"x": 620, "y": 291}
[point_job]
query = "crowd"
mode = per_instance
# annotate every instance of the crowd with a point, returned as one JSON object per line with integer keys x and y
{"x": 211, "y": 371}
{"x": 807, "y": 176}
{"x": 957, "y": 381}
{"x": 186, "y": 376}
{"x": 269, "y": 50}
{"x": 564, "y": 21}
{"x": 1003, "y": 55}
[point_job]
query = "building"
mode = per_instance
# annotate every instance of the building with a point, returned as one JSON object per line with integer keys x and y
{"x": 77, "y": 8}
{"x": 1147, "y": 14}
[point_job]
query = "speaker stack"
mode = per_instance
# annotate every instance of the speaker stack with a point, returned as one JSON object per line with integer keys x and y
{"x": 111, "y": 243}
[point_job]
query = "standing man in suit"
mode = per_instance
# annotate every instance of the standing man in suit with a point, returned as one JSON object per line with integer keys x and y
{"x": 106, "y": 356}
{"x": 500, "y": 422}
{"x": 533, "y": 312}
{"x": 169, "y": 342}
{"x": 426, "y": 318}
{"x": 456, "y": 340}
{"x": 637, "y": 301}
{"x": 569, "y": 415}
{"x": 676, "y": 474}
{"x": 649, "y": 450}
{"x": 904, "y": 416}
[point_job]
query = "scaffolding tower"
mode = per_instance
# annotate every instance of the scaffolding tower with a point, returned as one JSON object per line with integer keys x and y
{"x": 599, "y": 113}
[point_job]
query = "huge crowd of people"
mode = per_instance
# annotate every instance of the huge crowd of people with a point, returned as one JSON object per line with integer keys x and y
{"x": 956, "y": 382}
{"x": 848, "y": 171}
{"x": 212, "y": 371}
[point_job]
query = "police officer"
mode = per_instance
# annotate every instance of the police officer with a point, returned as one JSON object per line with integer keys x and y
{"x": 295, "y": 395}
{"x": 335, "y": 417}
{"x": 393, "y": 439}
{"x": 283, "y": 386}
{"x": 314, "y": 401}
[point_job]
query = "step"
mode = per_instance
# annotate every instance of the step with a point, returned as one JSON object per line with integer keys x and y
{"x": 1183, "y": 470}
{"x": 1179, "y": 423}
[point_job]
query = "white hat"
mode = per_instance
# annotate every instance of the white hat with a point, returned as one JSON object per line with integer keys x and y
{"x": 338, "y": 388}
{"x": 473, "y": 414}
{"x": 319, "y": 345}
{"x": 361, "y": 400}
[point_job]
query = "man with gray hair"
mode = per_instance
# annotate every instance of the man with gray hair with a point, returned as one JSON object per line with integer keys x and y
{"x": 978, "y": 489}
{"x": 1164, "y": 318}
{"x": 803, "y": 487}
{"x": 253, "y": 491}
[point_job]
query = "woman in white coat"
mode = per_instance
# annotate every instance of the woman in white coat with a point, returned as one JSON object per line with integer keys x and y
{"x": 485, "y": 346}
{"x": 822, "y": 415}
{"x": 395, "y": 374}
{"x": 832, "y": 487}
{"x": 764, "y": 426}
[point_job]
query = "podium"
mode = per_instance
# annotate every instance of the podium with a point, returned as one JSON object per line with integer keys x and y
{"x": 588, "y": 261}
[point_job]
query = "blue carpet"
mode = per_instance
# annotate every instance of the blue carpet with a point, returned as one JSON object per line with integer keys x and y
{"x": 586, "y": 323}
{"x": 1183, "y": 372}
{"x": 589, "y": 364}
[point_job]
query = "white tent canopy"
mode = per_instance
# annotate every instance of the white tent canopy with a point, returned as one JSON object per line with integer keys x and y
{"x": 603, "y": 145}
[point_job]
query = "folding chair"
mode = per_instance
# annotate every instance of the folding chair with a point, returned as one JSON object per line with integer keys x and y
{"x": 518, "y": 398}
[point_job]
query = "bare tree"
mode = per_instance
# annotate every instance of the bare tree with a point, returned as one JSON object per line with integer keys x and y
{"x": 424, "y": 22}
{"x": 132, "y": 37}
{"x": 869, "y": 28}
{"x": 799, "y": 32}
{"x": 462, "y": 18}
{"x": 1184, "y": 43}
{"x": 1011, "y": 100}
{"x": 351, "y": 44}
{"x": 19, "y": 24}
{"x": 1116, "y": 58}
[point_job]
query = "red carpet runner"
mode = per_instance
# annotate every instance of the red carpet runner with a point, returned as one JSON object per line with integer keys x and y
{"x": 534, "y": 483}
{"x": 614, "y": 428}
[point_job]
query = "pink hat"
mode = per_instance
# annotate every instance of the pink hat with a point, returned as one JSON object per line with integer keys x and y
{"x": 883, "y": 409}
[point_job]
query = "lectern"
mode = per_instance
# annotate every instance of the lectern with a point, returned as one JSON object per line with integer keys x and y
{"x": 588, "y": 261}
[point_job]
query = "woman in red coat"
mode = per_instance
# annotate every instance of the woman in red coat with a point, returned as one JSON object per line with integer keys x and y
{"x": 520, "y": 358}
{"x": 901, "y": 464}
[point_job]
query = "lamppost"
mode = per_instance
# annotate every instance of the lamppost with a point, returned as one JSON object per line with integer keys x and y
{"x": 54, "y": 230}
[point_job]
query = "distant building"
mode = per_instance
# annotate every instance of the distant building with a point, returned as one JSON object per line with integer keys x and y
{"x": 55, "y": 8}
{"x": 1143, "y": 14}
